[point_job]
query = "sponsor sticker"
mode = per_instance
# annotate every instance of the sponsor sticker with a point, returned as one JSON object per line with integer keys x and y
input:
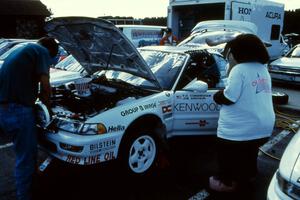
{"x": 196, "y": 107}
{"x": 116, "y": 128}
{"x": 201, "y": 123}
{"x": 103, "y": 146}
{"x": 166, "y": 109}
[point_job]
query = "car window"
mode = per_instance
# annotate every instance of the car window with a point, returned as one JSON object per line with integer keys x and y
{"x": 164, "y": 65}
{"x": 210, "y": 68}
{"x": 295, "y": 53}
{"x": 209, "y": 38}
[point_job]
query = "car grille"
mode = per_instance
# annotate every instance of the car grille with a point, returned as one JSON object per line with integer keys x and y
{"x": 48, "y": 145}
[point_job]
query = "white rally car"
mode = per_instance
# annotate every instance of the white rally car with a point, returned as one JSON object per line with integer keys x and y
{"x": 135, "y": 103}
{"x": 285, "y": 184}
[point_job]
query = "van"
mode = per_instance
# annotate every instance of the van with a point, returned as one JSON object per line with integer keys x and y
{"x": 267, "y": 15}
{"x": 143, "y": 35}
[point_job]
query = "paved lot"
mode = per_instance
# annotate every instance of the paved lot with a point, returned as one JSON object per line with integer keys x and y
{"x": 192, "y": 162}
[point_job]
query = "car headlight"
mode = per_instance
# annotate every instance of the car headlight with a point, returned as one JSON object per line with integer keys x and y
{"x": 81, "y": 128}
{"x": 69, "y": 126}
{"x": 287, "y": 187}
{"x": 273, "y": 67}
{"x": 93, "y": 129}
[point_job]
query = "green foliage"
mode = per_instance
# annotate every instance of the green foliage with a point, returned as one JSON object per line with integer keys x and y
{"x": 291, "y": 21}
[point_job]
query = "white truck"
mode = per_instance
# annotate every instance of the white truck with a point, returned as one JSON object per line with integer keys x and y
{"x": 267, "y": 15}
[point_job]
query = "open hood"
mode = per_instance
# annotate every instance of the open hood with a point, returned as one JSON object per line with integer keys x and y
{"x": 99, "y": 45}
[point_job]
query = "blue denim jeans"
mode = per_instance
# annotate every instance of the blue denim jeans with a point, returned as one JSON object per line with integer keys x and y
{"x": 19, "y": 122}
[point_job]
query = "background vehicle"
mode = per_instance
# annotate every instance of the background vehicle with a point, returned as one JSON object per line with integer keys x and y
{"x": 287, "y": 68}
{"x": 285, "y": 184}
{"x": 266, "y": 15}
{"x": 6, "y": 44}
{"x": 143, "y": 35}
{"x": 20, "y": 43}
{"x": 216, "y": 33}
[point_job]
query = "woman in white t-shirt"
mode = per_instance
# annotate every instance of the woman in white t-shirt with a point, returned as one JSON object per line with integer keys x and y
{"x": 246, "y": 117}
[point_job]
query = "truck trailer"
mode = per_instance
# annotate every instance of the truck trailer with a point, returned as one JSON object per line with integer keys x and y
{"x": 267, "y": 15}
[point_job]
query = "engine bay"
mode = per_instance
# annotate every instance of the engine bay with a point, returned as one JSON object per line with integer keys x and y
{"x": 104, "y": 95}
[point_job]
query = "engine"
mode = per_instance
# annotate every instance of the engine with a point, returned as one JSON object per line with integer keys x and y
{"x": 104, "y": 95}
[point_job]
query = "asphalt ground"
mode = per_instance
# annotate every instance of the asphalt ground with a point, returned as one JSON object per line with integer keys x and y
{"x": 192, "y": 161}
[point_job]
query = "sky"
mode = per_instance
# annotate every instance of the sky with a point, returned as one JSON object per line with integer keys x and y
{"x": 134, "y": 8}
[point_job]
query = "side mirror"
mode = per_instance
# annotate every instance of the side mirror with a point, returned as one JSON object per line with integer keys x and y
{"x": 197, "y": 86}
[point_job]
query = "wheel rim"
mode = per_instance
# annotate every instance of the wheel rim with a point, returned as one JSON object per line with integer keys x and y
{"x": 142, "y": 154}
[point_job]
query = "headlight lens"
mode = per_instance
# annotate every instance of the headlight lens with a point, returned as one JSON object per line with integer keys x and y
{"x": 81, "y": 128}
{"x": 274, "y": 67}
{"x": 93, "y": 129}
{"x": 69, "y": 126}
{"x": 287, "y": 187}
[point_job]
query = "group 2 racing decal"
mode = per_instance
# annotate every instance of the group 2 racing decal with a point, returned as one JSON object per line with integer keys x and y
{"x": 137, "y": 109}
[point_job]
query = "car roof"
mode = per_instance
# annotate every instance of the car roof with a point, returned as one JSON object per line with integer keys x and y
{"x": 178, "y": 49}
{"x": 139, "y": 26}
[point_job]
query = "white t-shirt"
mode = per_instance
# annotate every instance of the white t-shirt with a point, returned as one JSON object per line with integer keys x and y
{"x": 252, "y": 114}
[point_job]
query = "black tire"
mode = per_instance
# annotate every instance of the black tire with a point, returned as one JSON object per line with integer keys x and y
{"x": 139, "y": 152}
{"x": 279, "y": 98}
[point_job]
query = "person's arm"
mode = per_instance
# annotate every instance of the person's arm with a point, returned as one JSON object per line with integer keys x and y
{"x": 162, "y": 41}
{"x": 45, "y": 90}
{"x": 219, "y": 98}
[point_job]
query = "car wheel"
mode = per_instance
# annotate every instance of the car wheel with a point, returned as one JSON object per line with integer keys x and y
{"x": 279, "y": 98}
{"x": 139, "y": 152}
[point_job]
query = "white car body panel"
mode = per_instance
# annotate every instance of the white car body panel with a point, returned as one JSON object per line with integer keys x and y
{"x": 289, "y": 170}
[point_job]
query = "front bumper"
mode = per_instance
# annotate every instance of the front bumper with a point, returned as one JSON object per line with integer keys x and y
{"x": 285, "y": 76}
{"x": 274, "y": 192}
{"x": 80, "y": 149}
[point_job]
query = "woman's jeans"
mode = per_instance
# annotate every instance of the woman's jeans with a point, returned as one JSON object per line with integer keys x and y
{"x": 18, "y": 122}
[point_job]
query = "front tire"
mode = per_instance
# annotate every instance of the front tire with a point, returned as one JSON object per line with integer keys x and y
{"x": 139, "y": 152}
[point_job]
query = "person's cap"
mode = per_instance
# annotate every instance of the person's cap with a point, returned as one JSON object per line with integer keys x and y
{"x": 168, "y": 30}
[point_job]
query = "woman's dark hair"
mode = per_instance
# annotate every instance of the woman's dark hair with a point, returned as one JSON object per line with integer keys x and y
{"x": 247, "y": 48}
{"x": 50, "y": 44}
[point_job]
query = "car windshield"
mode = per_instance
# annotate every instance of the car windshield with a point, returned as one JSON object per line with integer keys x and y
{"x": 209, "y": 38}
{"x": 295, "y": 53}
{"x": 164, "y": 65}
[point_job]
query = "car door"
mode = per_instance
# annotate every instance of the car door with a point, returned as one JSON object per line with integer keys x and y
{"x": 196, "y": 113}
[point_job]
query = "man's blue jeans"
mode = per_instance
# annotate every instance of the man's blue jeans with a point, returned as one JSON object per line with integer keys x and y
{"x": 19, "y": 122}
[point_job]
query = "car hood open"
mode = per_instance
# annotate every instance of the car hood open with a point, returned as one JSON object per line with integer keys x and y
{"x": 99, "y": 45}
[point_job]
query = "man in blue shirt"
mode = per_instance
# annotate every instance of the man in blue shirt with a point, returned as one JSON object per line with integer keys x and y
{"x": 20, "y": 76}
